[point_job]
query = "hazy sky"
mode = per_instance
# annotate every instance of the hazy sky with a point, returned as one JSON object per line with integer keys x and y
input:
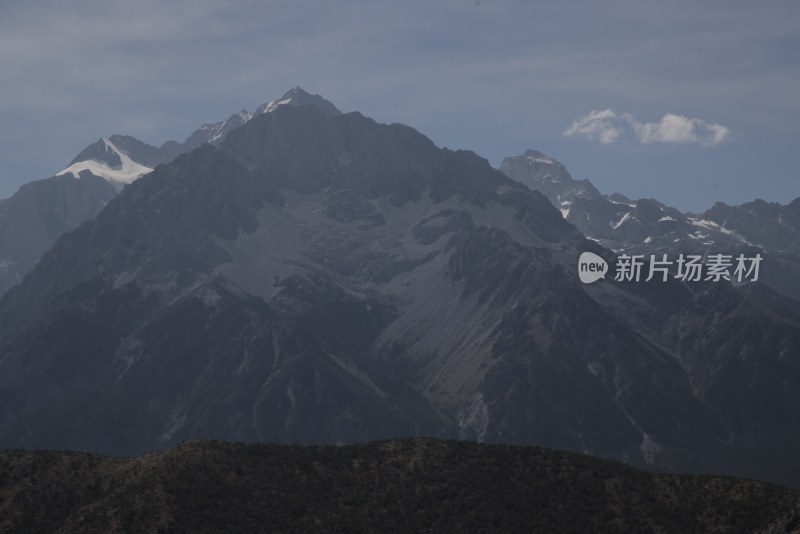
{"x": 685, "y": 101}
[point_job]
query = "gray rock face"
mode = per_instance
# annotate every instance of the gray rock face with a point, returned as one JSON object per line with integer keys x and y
{"x": 102, "y": 153}
{"x": 774, "y": 225}
{"x": 549, "y": 177}
{"x": 322, "y": 278}
{"x": 39, "y": 213}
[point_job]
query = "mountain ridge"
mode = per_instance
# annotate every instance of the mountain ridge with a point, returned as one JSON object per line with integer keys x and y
{"x": 323, "y": 278}
{"x": 117, "y": 159}
{"x": 646, "y": 226}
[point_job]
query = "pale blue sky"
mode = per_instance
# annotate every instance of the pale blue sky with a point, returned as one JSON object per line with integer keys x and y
{"x": 496, "y": 77}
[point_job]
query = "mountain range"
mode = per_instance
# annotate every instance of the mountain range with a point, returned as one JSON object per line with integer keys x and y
{"x": 646, "y": 226}
{"x": 311, "y": 276}
{"x": 34, "y": 217}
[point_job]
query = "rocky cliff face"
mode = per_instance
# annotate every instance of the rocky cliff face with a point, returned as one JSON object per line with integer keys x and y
{"x": 774, "y": 225}
{"x": 37, "y": 214}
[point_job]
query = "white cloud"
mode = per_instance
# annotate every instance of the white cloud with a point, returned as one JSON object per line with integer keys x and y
{"x": 678, "y": 129}
{"x": 603, "y": 126}
{"x": 608, "y": 126}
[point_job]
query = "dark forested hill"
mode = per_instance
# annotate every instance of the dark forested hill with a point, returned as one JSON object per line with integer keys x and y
{"x": 389, "y": 486}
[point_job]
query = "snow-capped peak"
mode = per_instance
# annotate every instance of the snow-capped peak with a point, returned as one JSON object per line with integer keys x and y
{"x": 109, "y": 161}
{"x": 118, "y": 174}
{"x": 215, "y": 132}
{"x": 296, "y": 96}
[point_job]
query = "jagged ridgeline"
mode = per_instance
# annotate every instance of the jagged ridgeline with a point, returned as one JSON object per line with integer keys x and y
{"x": 316, "y": 277}
{"x": 646, "y": 226}
{"x": 41, "y": 211}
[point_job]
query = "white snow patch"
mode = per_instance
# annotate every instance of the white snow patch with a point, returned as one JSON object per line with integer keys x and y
{"x": 620, "y": 222}
{"x": 534, "y": 159}
{"x": 704, "y": 223}
{"x": 244, "y": 115}
{"x": 649, "y": 447}
{"x": 474, "y": 421}
{"x": 126, "y": 173}
{"x": 273, "y": 105}
{"x": 218, "y": 129}
{"x": 711, "y": 225}
{"x": 174, "y": 423}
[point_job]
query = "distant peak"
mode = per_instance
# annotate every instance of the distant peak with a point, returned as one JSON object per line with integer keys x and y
{"x": 533, "y": 154}
{"x": 105, "y": 159}
{"x": 102, "y": 151}
{"x": 297, "y": 96}
{"x": 297, "y": 90}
